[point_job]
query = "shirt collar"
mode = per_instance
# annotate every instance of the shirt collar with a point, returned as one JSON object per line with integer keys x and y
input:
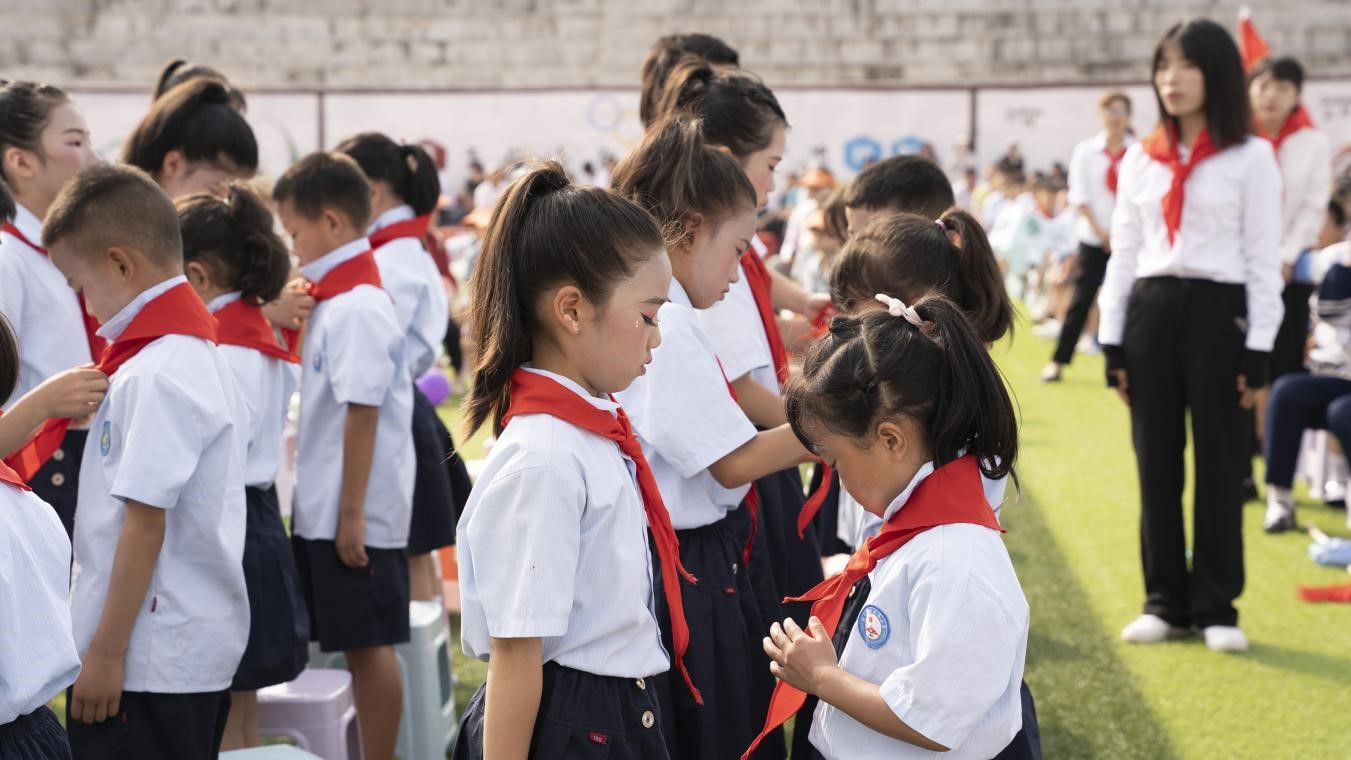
{"x": 223, "y": 300}
{"x": 600, "y": 402}
{"x": 28, "y": 223}
{"x": 315, "y": 270}
{"x": 114, "y": 327}
{"x": 1100, "y": 141}
{"x": 898, "y": 502}
{"x": 678, "y": 296}
{"x": 391, "y": 216}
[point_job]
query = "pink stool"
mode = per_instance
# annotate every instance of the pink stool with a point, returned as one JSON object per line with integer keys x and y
{"x": 316, "y": 710}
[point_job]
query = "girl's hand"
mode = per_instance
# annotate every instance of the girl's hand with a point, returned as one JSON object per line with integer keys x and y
{"x": 804, "y": 660}
{"x": 350, "y": 542}
{"x": 97, "y": 693}
{"x": 293, "y": 307}
{"x": 75, "y": 393}
{"x": 1122, "y": 385}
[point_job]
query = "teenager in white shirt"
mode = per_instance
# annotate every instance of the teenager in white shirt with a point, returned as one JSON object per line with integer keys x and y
{"x": 907, "y": 404}
{"x": 1190, "y": 308}
{"x": 1274, "y": 87}
{"x": 159, "y": 603}
{"x": 405, "y": 189}
{"x": 354, "y": 448}
{"x": 559, "y": 588}
{"x": 705, "y": 452}
{"x": 1095, "y": 167}
{"x": 236, "y": 262}
{"x": 44, "y": 141}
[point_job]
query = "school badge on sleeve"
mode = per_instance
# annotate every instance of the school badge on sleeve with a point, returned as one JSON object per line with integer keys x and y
{"x": 873, "y": 626}
{"x": 106, "y": 438}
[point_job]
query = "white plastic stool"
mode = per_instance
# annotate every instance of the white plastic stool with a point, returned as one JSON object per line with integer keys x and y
{"x": 272, "y": 752}
{"x": 403, "y": 749}
{"x": 431, "y": 683}
{"x": 316, "y": 710}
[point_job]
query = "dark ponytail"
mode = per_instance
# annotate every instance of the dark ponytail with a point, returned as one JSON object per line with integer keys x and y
{"x": 235, "y": 238}
{"x": 408, "y": 170}
{"x": 7, "y": 208}
{"x": 909, "y": 256}
{"x": 180, "y": 70}
{"x": 196, "y": 118}
{"x": 674, "y": 173}
{"x": 25, "y": 109}
{"x": 876, "y": 366}
{"x": 544, "y": 231}
{"x": 665, "y": 53}
{"x": 738, "y": 111}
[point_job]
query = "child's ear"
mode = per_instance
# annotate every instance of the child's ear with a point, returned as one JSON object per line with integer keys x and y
{"x": 197, "y": 275}
{"x": 333, "y": 222}
{"x": 171, "y": 168}
{"x": 122, "y": 261}
{"x": 17, "y": 163}
{"x": 893, "y": 439}
{"x": 568, "y": 307}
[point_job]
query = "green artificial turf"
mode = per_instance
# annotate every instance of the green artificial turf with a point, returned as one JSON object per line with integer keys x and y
{"x": 1073, "y": 538}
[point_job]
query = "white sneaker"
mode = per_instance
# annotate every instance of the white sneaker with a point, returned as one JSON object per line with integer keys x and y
{"x": 1150, "y": 629}
{"x": 1226, "y": 638}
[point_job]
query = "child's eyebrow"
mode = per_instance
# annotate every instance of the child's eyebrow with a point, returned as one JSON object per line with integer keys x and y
{"x": 655, "y": 301}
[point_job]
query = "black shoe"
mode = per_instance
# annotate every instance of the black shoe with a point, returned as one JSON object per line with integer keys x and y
{"x": 1282, "y": 524}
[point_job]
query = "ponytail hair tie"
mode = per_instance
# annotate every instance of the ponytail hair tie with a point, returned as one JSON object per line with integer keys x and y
{"x": 941, "y": 225}
{"x": 897, "y": 308}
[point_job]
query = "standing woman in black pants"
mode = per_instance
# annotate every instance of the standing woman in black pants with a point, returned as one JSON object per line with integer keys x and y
{"x": 1190, "y": 308}
{"x": 1094, "y": 169}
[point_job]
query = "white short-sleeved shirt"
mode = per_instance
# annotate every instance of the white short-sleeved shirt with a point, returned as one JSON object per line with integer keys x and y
{"x": 944, "y": 633}
{"x": 686, "y": 418}
{"x": 1306, "y": 172}
{"x": 353, "y": 354}
{"x": 411, "y": 278}
{"x": 167, "y": 436}
{"x": 38, "y": 659}
{"x": 737, "y": 333}
{"x": 41, "y": 307}
{"x": 265, "y": 383}
{"x": 553, "y": 544}
{"x": 1088, "y": 186}
{"x": 1230, "y": 233}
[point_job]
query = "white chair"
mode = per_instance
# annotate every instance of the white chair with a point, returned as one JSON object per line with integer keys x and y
{"x": 430, "y": 687}
{"x": 272, "y": 752}
{"x": 316, "y": 710}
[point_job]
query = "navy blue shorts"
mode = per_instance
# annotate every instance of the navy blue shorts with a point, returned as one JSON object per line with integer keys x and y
{"x": 58, "y": 481}
{"x": 35, "y": 736}
{"x": 353, "y": 608}
{"x": 181, "y": 726}
{"x": 441, "y": 485}
{"x": 725, "y": 658}
{"x": 580, "y": 715}
{"x": 279, "y": 623}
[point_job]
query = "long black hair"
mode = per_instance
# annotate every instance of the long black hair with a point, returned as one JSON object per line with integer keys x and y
{"x": 408, "y": 170}
{"x": 1212, "y": 49}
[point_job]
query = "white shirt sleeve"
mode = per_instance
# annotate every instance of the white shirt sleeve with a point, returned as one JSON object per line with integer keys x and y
{"x": 1128, "y": 237}
{"x": 1261, "y": 245}
{"x": 965, "y": 645}
{"x": 530, "y": 522}
{"x": 684, "y": 408}
{"x": 1077, "y": 181}
{"x": 734, "y": 327}
{"x": 360, "y": 358}
{"x": 1316, "y": 163}
{"x": 12, "y": 293}
{"x": 163, "y": 435}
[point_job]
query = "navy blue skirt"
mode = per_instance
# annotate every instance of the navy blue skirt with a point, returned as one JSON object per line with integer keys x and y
{"x": 725, "y": 658}
{"x": 581, "y": 715}
{"x": 796, "y": 562}
{"x": 353, "y": 607}
{"x": 441, "y": 486}
{"x": 35, "y": 736}
{"x": 279, "y": 623}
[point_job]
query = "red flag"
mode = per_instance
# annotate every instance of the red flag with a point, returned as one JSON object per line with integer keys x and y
{"x": 1250, "y": 44}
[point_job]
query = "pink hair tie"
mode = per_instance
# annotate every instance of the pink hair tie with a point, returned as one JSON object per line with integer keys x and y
{"x": 940, "y": 224}
{"x": 897, "y": 308}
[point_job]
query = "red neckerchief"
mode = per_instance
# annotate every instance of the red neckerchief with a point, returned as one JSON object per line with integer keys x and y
{"x": 761, "y": 283}
{"x": 8, "y": 475}
{"x": 358, "y": 270}
{"x": 753, "y": 495}
{"x": 176, "y": 311}
{"x": 536, "y": 394}
{"x": 1113, "y": 161}
{"x": 1163, "y": 147}
{"x": 409, "y": 228}
{"x": 242, "y": 324}
{"x": 91, "y": 325}
{"x": 952, "y": 494}
{"x": 1298, "y": 120}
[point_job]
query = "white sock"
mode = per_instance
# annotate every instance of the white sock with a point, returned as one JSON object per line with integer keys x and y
{"x": 1280, "y": 500}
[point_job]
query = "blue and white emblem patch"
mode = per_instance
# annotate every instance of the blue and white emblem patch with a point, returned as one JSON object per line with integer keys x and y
{"x": 873, "y": 626}
{"x": 106, "y": 438}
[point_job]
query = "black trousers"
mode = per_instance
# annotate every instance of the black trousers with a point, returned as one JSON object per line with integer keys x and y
{"x": 1184, "y": 344}
{"x": 1287, "y": 355}
{"x": 1092, "y": 268}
